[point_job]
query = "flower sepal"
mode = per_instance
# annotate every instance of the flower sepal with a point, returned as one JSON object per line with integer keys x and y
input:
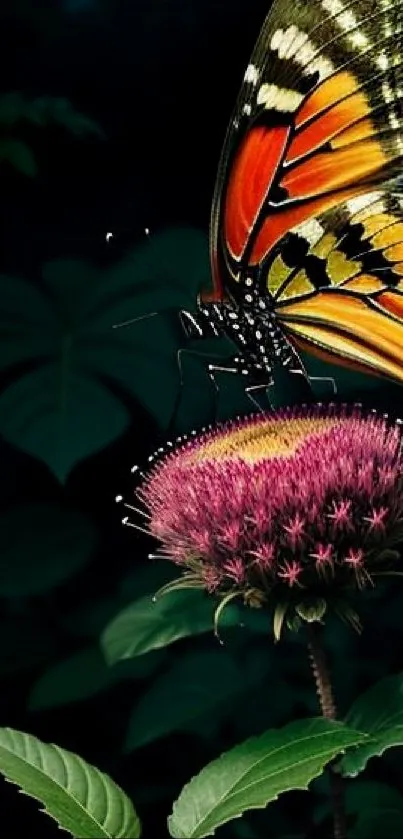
{"x": 312, "y": 610}
{"x": 187, "y": 580}
{"x": 294, "y": 616}
{"x": 280, "y": 613}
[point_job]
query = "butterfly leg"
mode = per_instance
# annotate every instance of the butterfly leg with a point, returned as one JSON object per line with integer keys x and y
{"x": 261, "y": 388}
{"x": 257, "y": 381}
{"x": 294, "y": 364}
{"x": 185, "y": 353}
{"x": 234, "y": 366}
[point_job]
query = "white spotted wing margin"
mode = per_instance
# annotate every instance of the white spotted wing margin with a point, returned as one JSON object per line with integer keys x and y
{"x": 256, "y": 772}
{"x": 82, "y": 799}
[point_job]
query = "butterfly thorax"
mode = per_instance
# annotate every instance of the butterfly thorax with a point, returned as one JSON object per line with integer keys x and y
{"x": 250, "y": 324}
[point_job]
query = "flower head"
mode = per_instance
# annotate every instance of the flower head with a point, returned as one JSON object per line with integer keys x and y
{"x": 295, "y": 504}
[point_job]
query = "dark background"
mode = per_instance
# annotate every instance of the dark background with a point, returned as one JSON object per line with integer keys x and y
{"x": 160, "y": 79}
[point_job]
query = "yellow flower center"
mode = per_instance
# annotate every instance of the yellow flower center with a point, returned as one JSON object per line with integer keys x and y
{"x": 262, "y": 440}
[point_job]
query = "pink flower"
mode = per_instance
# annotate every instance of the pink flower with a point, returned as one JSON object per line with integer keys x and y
{"x": 291, "y": 572}
{"x": 355, "y": 558}
{"x": 295, "y": 530}
{"x": 298, "y": 503}
{"x": 341, "y": 515}
{"x": 264, "y": 555}
{"x": 376, "y": 519}
{"x": 235, "y": 570}
{"x": 323, "y": 556}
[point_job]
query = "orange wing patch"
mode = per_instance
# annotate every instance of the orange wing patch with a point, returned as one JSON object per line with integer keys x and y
{"x": 329, "y": 117}
{"x": 392, "y": 301}
{"x": 332, "y": 90}
{"x": 337, "y": 113}
{"x": 349, "y": 330}
{"x": 251, "y": 178}
{"x": 328, "y": 171}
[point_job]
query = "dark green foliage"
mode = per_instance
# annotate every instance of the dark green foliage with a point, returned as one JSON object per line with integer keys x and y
{"x": 15, "y": 110}
{"x": 142, "y": 690}
{"x": 83, "y": 375}
{"x": 42, "y": 546}
{"x": 89, "y": 646}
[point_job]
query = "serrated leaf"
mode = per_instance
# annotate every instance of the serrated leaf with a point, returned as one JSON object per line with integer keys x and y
{"x": 196, "y": 690}
{"x": 78, "y": 796}
{"x": 42, "y": 545}
{"x": 257, "y": 772}
{"x": 19, "y": 155}
{"x": 69, "y": 403}
{"x": 378, "y": 712}
{"x": 149, "y": 624}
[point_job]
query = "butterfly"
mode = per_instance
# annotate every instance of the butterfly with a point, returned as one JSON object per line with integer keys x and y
{"x": 306, "y": 232}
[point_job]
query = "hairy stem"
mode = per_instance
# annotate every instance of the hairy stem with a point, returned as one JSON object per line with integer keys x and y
{"x": 327, "y": 704}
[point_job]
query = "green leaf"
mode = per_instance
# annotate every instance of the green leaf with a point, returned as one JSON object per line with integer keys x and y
{"x": 85, "y": 674}
{"x": 78, "y": 796}
{"x": 42, "y": 545}
{"x": 54, "y": 416}
{"x": 378, "y": 712}
{"x": 19, "y": 155}
{"x": 257, "y": 772}
{"x": 76, "y": 678}
{"x": 196, "y": 689}
{"x": 82, "y": 372}
{"x": 149, "y": 624}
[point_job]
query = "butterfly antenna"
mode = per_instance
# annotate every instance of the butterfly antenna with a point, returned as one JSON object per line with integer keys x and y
{"x": 134, "y": 320}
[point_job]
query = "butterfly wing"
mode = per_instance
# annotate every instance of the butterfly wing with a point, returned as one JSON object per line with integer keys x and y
{"x": 344, "y": 302}
{"x": 318, "y": 121}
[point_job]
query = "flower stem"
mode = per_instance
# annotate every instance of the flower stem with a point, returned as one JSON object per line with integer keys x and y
{"x": 328, "y": 708}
